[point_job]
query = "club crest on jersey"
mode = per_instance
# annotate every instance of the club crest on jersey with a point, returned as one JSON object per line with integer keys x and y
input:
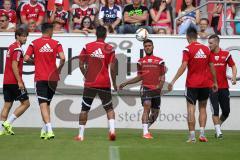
{"x": 200, "y": 54}
{"x": 98, "y": 53}
{"x": 36, "y": 10}
{"x": 216, "y": 58}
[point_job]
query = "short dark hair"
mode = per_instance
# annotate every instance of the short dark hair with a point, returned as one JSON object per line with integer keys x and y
{"x": 204, "y": 19}
{"x": 21, "y": 32}
{"x": 46, "y": 27}
{"x": 101, "y": 32}
{"x": 214, "y": 36}
{"x": 192, "y": 33}
{"x": 147, "y": 41}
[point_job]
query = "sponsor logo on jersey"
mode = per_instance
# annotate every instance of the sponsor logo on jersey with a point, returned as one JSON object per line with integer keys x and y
{"x": 46, "y": 48}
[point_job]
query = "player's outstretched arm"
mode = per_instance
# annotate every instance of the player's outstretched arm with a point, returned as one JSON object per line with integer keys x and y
{"x": 131, "y": 81}
{"x": 180, "y": 71}
{"x": 213, "y": 72}
{"x": 62, "y": 61}
{"x": 234, "y": 74}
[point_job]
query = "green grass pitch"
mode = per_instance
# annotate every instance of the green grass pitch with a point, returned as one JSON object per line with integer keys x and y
{"x": 166, "y": 145}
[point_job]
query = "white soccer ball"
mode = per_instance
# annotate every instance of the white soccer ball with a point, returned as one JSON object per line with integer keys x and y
{"x": 141, "y": 34}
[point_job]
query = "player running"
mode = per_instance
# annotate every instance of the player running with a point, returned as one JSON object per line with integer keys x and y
{"x": 196, "y": 58}
{"x": 221, "y": 59}
{"x": 45, "y": 51}
{"x": 151, "y": 71}
{"x": 13, "y": 85}
{"x": 94, "y": 61}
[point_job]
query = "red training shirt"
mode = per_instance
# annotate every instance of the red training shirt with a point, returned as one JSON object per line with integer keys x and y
{"x": 45, "y": 51}
{"x": 32, "y": 11}
{"x": 151, "y": 69}
{"x": 15, "y": 53}
{"x": 198, "y": 57}
{"x": 97, "y": 55}
{"x": 221, "y": 60}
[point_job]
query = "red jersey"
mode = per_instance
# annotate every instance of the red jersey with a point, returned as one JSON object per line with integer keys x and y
{"x": 15, "y": 53}
{"x": 221, "y": 60}
{"x": 198, "y": 57}
{"x": 32, "y": 11}
{"x": 45, "y": 51}
{"x": 97, "y": 55}
{"x": 79, "y": 12}
{"x": 11, "y": 14}
{"x": 152, "y": 70}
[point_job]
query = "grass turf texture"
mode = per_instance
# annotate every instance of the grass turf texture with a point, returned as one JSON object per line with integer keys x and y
{"x": 166, "y": 145}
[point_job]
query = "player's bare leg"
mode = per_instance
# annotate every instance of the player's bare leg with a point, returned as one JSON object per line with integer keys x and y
{"x": 45, "y": 111}
{"x": 83, "y": 116}
{"x": 4, "y": 114}
{"x": 191, "y": 121}
{"x": 153, "y": 116}
{"x": 145, "y": 117}
{"x": 202, "y": 120}
{"x": 111, "y": 122}
{"x": 22, "y": 108}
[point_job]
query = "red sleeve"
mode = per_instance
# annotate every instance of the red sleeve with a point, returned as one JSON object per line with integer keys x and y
{"x": 42, "y": 10}
{"x": 30, "y": 50}
{"x": 23, "y": 10}
{"x": 16, "y": 55}
{"x": 83, "y": 55}
{"x": 230, "y": 61}
{"x": 112, "y": 57}
{"x": 59, "y": 48}
{"x": 185, "y": 56}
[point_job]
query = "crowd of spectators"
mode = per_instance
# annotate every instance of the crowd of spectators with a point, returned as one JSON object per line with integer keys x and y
{"x": 120, "y": 16}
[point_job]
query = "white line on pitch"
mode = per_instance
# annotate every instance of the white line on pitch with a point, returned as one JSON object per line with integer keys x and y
{"x": 114, "y": 153}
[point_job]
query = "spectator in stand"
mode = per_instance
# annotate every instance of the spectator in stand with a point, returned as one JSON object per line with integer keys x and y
{"x": 59, "y": 15}
{"x": 81, "y": 12}
{"x": 5, "y": 25}
{"x": 32, "y": 26}
{"x": 32, "y": 10}
{"x": 86, "y": 26}
{"x": 7, "y": 4}
{"x": 160, "y": 16}
{"x": 162, "y": 31}
{"x": 57, "y": 28}
{"x": 110, "y": 15}
{"x": 135, "y": 16}
{"x": 230, "y": 13}
{"x": 204, "y": 30}
{"x": 189, "y": 20}
{"x": 13, "y": 4}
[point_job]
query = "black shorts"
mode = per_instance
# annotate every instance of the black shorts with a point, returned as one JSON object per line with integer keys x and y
{"x": 194, "y": 94}
{"x": 151, "y": 96}
{"x": 45, "y": 91}
{"x": 12, "y": 93}
{"x": 221, "y": 97}
{"x": 90, "y": 93}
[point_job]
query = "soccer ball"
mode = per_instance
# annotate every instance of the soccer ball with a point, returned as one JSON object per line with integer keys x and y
{"x": 141, "y": 34}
